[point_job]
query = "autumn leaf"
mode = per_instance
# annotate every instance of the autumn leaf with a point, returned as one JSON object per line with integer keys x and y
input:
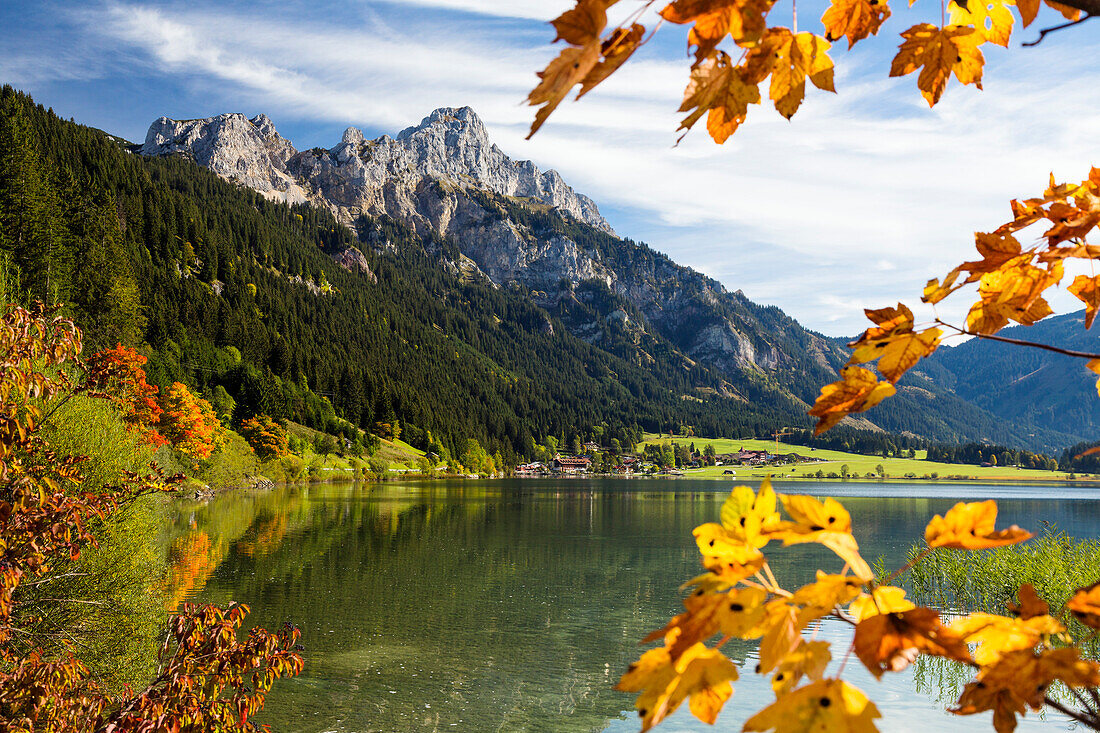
{"x": 996, "y": 635}
{"x": 781, "y": 633}
{"x": 1028, "y": 10}
{"x": 1067, "y": 12}
{"x": 991, "y": 18}
{"x": 700, "y": 673}
{"x": 718, "y": 90}
{"x": 809, "y": 659}
{"x": 828, "y": 591}
{"x": 1030, "y": 605}
{"x": 798, "y": 57}
{"x": 883, "y": 599}
{"x": 1020, "y": 679}
{"x": 614, "y": 52}
{"x": 971, "y": 527}
{"x": 742, "y": 20}
{"x": 736, "y": 613}
{"x": 749, "y": 516}
{"x": 567, "y": 70}
{"x": 1085, "y": 605}
{"x": 1087, "y": 290}
{"x": 827, "y": 523}
{"x": 1012, "y": 293}
{"x": 891, "y": 641}
{"x": 587, "y": 61}
{"x": 858, "y": 390}
{"x": 825, "y": 705}
{"x": 939, "y": 52}
{"x": 893, "y": 342}
{"x": 855, "y": 19}
{"x": 582, "y": 24}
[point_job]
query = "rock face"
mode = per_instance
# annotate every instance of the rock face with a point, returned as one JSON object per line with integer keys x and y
{"x": 250, "y": 152}
{"x": 444, "y": 178}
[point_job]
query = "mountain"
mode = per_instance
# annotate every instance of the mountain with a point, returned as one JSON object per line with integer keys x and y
{"x": 486, "y": 216}
{"x": 273, "y": 307}
{"x": 1025, "y": 385}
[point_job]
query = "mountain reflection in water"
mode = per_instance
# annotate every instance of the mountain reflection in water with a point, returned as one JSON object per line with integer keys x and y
{"x": 515, "y": 605}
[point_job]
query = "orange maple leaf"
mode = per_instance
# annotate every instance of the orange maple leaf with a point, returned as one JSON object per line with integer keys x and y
{"x": 939, "y": 52}
{"x": 855, "y": 19}
{"x": 858, "y": 390}
{"x": 718, "y": 89}
{"x": 891, "y": 641}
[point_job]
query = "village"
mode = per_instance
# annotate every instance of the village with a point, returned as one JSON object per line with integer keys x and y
{"x": 654, "y": 460}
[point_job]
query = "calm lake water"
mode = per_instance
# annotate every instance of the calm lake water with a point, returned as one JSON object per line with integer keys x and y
{"x": 515, "y": 605}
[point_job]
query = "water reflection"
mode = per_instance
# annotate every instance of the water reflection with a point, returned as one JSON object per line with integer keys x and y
{"x": 506, "y": 605}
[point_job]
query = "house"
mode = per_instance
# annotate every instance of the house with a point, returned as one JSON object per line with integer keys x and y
{"x": 572, "y": 465}
{"x": 591, "y": 447}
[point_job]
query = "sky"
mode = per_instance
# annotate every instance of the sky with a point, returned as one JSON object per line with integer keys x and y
{"x": 854, "y": 203}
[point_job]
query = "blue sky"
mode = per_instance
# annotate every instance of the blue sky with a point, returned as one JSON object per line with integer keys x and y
{"x": 854, "y": 203}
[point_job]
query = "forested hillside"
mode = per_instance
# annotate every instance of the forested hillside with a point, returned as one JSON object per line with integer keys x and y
{"x": 223, "y": 288}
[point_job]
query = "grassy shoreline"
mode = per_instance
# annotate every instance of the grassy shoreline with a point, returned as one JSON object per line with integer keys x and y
{"x": 858, "y": 466}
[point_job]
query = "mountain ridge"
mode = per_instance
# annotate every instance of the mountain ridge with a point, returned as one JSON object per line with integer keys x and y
{"x": 483, "y": 215}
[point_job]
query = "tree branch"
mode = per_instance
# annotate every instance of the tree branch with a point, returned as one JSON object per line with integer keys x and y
{"x": 1043, "y": 33}
{"x": 1021, "y": 342}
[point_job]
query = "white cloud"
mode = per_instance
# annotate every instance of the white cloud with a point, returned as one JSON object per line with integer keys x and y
{"x": 856, "y": 201}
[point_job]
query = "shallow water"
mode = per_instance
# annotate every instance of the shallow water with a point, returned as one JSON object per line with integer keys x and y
{"x": 515, "y": 605}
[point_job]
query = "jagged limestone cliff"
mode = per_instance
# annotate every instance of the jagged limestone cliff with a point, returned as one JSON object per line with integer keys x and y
{"x": 444, "y": 177}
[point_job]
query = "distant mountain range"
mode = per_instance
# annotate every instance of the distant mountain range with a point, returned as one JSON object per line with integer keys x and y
{"x": 486, "y": 217}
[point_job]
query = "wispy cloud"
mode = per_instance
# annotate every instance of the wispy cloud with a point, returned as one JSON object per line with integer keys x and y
{"x": 856, "y": 201}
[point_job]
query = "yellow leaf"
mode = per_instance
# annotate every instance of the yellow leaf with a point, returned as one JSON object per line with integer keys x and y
{"x": 718, "y": 90}
{"x": 971, "y": 527}
{"x": 996, "y": 635}
{"x": 991, "y": 18}
{"x": 741, "y": 612}
{"x": 1020, "y": 679}
{"x": 665, "y": 683}
{"x": 827, "y": 523}
{"x": 858, "y": 390}
{"x": 855, "y": 19}
{"x": 798, "y": 57}
{"x": 883, "y": 599}
{"x": 748, "y": 517}
{"x": 809, "y": 659}
{"x": 781, "y": 633}
{"x": 828, "y": 591}
{"x": 825, "y": 705}
{"x": 938, "y": 52}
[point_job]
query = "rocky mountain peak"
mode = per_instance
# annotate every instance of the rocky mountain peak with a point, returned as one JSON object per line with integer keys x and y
{"x": 250, "y": 152}
{"x": 386, "y": 175}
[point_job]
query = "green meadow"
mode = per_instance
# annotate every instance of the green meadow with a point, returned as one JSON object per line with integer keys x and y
{"x": 832, "y": 461}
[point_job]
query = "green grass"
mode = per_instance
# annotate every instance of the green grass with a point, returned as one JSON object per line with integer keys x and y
{"x": 1054, "y": 563}
{"x": 858, "y": 465}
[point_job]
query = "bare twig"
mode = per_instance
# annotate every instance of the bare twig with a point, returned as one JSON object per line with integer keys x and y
{"x": 1077, "y": 715}
{"x": 1021, "y": 342}
{"x": 1043, "y": 33}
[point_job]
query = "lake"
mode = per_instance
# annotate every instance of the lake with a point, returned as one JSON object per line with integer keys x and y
{"x": 514, "y": 605}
